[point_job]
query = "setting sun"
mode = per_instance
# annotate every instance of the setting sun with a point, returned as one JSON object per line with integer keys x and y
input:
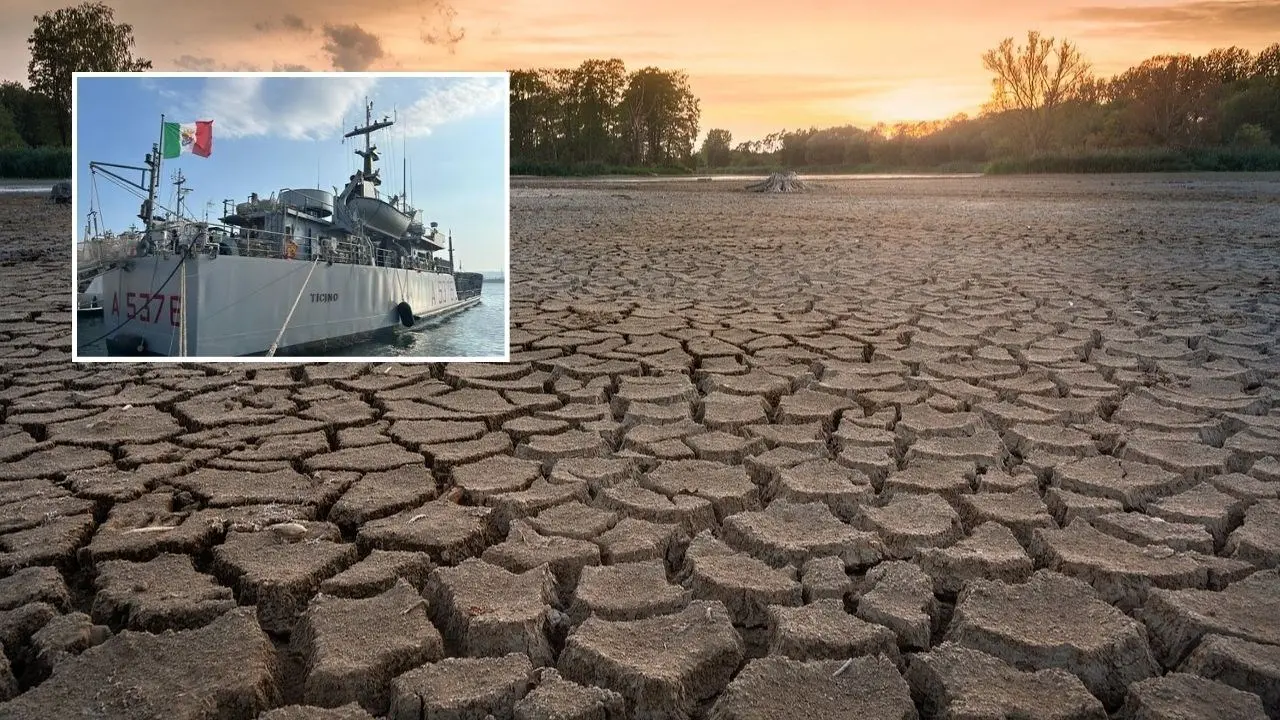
{"x": 914, "y": 102}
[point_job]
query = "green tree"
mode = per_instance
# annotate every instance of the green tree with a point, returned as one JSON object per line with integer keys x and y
{"x": 794, "y": 147}
{"x": 1252, "y": 136}
{"x": 659, "y": 117}
{"x": 593, "y": 94}
{"x": 1078, "y": 125}
{"x": 10, "y": 139}
{"x": 716, "y": 147}
{"x": 33, "y": 115}
{"x": 1257, "y": 103}
{"x": 1227, "y": 65}
{"x": 1032, "y": 80}
{"x": 1267, "y": 63}
{"x": 531, "y": 110}
{"x": 84, "y": 38}
{"x": 1170, "y": 100}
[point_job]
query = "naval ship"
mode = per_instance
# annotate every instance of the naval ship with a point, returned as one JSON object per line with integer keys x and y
{"x": 300, "y": 272}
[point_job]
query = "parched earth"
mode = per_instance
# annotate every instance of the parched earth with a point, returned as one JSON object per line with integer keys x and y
{"x": 961, "y": 448}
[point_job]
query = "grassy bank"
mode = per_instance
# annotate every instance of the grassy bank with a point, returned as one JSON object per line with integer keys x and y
{"x": 1144, "y": 161}
{"x": 44, "y": 163}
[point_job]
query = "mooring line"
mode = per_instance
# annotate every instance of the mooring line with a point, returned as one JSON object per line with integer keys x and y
{"x": 271, "y": 351}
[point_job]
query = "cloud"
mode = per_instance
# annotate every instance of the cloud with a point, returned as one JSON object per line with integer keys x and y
{"x": 438, "y": 27}
{"x": 446, "y": 100}
{"x": 1192, "y": 19}
{"x": 191, "y": 62}
{"x": 288, "y": 22}
{"x": 207, "y": 64}
{"x": 290, "y": 108}
{"x": 290, "y": 67}
{"x": 351, "y": 47}
{"x": 295, "y": 23}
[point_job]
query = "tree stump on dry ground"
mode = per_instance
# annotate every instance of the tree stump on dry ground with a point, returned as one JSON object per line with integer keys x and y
{"x": 780, "y": 182}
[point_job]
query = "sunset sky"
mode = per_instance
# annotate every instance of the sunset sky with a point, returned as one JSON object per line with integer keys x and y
{"x": 756, "y": 66}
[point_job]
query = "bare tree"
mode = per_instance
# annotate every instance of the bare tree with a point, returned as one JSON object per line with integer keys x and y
{"x": 1034, "y": 80}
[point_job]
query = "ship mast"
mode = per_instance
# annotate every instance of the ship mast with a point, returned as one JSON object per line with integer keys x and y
{"x": 148, "y": 213}
{"x": 178, "y": 181}
{"x": 370, "y": 151}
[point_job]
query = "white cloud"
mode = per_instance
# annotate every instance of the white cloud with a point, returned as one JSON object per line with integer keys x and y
{"x": 445, "y": 100}
{"x": 299, "y": 108}
{"x": 292, "y": 108}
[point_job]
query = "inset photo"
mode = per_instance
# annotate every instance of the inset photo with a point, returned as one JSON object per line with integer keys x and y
{"x": 293, "y": 216}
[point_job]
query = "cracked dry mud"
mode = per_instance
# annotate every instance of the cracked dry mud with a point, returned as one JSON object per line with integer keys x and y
{"x": 888, "y": 449}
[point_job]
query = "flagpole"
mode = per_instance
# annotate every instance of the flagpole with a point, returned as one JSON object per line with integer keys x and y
{"x": 182, "y": 309}
{"x": 159, "y": 156}
{"x": 155, "y": 196}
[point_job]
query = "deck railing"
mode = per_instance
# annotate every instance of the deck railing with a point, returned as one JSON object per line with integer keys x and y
{"x": 267, "y": 244}
{"x": 97, "y": 254}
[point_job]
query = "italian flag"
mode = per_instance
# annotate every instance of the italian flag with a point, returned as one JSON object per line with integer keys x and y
{"x": 182, "y": 138}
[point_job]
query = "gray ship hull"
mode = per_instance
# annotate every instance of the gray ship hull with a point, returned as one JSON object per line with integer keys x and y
{"x": 236, "y": 305}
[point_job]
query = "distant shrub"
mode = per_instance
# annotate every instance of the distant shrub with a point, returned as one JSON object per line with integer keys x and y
{"x": 35, "y": 163}
{"x": 1250, "y": 135}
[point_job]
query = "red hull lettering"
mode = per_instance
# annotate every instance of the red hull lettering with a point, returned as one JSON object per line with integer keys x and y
{"x": 143, "y": 311}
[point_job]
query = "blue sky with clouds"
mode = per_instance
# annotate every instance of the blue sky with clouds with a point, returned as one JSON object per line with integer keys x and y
{"x": 275, "y": 132}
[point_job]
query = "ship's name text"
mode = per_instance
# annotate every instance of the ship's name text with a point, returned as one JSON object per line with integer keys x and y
{"x": 324, "y": 297}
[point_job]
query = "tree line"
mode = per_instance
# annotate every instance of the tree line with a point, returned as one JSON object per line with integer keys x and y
{"x": 1048, "y": 110}
{"x": 35, "y": 121}
{"x": 27, "y": 119}
{"x": 599, "y": 116}
{"x": 1046, "y": 104}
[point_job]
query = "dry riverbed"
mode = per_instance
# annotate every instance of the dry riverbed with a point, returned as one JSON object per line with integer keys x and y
{"x": 887, "y": 449}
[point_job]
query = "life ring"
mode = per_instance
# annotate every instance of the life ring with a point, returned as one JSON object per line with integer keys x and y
{"x": 406, "y": 314}
{"x": 290, "y": 250}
